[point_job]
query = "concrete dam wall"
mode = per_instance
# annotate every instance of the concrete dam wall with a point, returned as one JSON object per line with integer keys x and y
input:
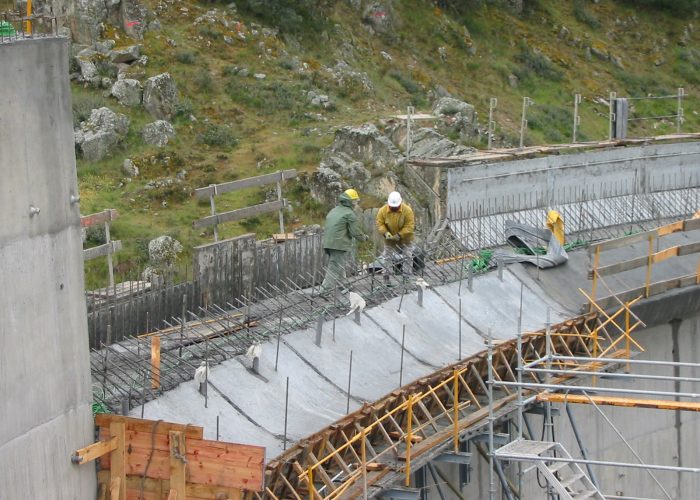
{"x": 44, "y": 365}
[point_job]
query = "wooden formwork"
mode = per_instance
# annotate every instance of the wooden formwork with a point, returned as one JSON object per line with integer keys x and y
{"x": 376, "y": 443}
{"x": 157, "y": 460}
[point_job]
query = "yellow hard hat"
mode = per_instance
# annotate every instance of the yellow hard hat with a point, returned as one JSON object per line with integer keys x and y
{"x": 352, "y": 194}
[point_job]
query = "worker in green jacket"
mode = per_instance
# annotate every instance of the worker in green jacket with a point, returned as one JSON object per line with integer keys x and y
{"x": 340, "y": 229}
{"x": 396, "y": 223}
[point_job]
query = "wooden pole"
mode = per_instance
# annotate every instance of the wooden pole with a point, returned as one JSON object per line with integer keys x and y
{"x": 155, "y": 362}
{"x": 118, "y": 461}
{"x": 178, "y": 462}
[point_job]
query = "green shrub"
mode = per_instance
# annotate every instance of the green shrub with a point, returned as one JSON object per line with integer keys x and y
{"x": 185, "y": 57}
{"x": 290, "y": 16}
{"x": 184, "y": 108}
{"x": 96, "y": 235}
{"x": 251, "y": 223}
{"x": 203, "y": 81}
{"x": 267, "y": 98}
{"x": 217, "y": 135}
{"x": 534, "y": 62}
{"x": 208, "y": 32}
{"x": 406, "y": 82}
{"x": 554, "y": 122}
{"x": 83, "y": 104}
{"x": 582, "y": 14}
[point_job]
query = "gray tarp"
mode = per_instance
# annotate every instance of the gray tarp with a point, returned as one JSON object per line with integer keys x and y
{"x": 522, "y": 236}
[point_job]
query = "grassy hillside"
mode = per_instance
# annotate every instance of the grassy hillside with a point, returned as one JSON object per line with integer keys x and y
{"x": 232, "y": 126}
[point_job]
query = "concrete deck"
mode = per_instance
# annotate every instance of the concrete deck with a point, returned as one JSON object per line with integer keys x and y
{"x": 251, "y": 407}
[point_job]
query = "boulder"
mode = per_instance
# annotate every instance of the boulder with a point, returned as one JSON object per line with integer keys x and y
{"x": 367, "y": 145}
{"x": 88, "y": 71}
{"x": 158, "y": 133}
{"x": 98, "y": 136}
{"x": 162, "y": 252}
{"x": 351, "y": 171}
{"x": 133, "y": 18}
{"x": 379, "y": 17}
{"x": 86, "y": 18}
{"x": 428, "y": 143}
{"x": 125, "y": 54}
{"x": 128, "y": 92}
{"x": 104, "y": 46}
{"x": 326, "y": 184}
{"x": 457, "y": 117}
{"x": 130, "y": 169}
{"x": 451, "y": 106}
{"x": 160, "y": 96}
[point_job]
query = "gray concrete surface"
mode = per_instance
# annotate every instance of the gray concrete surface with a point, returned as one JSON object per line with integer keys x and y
{"x": 251, "y": 408}
{"x": 560, "y": 179}
{"x": 44, "y": 366}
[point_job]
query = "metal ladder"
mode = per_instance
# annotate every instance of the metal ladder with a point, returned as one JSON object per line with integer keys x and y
{"x": 567, "y": 478}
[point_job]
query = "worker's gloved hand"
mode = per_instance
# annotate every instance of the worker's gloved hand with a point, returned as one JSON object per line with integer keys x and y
{"x": 396, "y": 237}
{"x": 388, "y": 236}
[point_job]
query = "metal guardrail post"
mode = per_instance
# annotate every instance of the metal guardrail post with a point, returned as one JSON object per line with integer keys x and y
{"x": 489, "y": 359}
{"x": 611, "y": 114}
{"x": 679, "y": 109}
{"x": 409, "y": 438}
{"x": 493, "y": 102}
{"x": 527, "y": 102}
{"x": 213, "y": 210}
{"x": 577, "y": 117}
{"x": 455, "y": 418}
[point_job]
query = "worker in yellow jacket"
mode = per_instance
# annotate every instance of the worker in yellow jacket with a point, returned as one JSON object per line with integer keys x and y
{"x": 396, "y": 223}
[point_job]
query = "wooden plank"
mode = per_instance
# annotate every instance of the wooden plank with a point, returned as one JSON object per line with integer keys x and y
{"x": 673, "y": 227}
{"x": 99, "y": 218}
{"x": 118, "y": 459}
{"x": 115, "y": 489}
{"x": 102, "y": 250}
{"x": 638, "y": 262}
{"x": 654, "y": 289}
{"x": 624, "y": 241}
{"x": 620, "y": 267}
{"x": 691, "y": 224}
{"x": 218, "y": 463}
{"x": 149, "y": 426}
{"x": 659, "y": 404}
{"x": 178, "y": 463}
{"x": 155, "y": 362}
{"x": 282, "y": 237}
{"x": 662, "y": 255}
{"x": 240, "y": 213}
{"x": 172, "y": 495}
{"x": 259, "y": 180}
{"x": 95, "y": 450}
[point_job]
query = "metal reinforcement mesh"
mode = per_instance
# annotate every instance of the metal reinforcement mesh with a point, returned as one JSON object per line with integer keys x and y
{"x": 15, "y": 26}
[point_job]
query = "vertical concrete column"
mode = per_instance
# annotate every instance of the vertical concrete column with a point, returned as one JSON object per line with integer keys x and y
{"x": 44, "y": 358}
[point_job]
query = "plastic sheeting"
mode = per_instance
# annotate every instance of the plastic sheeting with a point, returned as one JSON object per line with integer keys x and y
{"x": 531, "y": 239}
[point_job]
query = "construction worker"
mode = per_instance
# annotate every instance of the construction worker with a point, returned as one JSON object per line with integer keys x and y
{"x": 340, "y": 229}
{"x": 396, "y": 223}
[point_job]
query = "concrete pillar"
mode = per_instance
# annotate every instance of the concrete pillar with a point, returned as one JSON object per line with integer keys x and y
{"x": 44, "y": 359}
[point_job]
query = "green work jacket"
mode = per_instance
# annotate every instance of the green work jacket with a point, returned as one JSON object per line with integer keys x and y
{"x": 341, "y": 226}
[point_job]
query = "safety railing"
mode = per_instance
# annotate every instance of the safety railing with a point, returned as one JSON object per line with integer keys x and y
{"x": 597, "y": 272}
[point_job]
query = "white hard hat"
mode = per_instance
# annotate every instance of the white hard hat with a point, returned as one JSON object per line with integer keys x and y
{"x": 394, "y": 199}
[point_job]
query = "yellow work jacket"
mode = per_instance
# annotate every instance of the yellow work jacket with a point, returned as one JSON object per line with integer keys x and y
{"x": 401, "y": 222}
